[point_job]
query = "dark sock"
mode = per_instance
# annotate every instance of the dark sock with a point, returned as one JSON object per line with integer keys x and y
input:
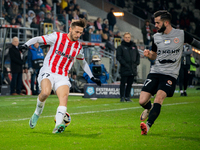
{"x": 147, "y": 106}
{"x": 154, "y": 113}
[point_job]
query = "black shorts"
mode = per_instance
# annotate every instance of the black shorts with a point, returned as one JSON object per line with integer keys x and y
{"x": 155, "y": 82}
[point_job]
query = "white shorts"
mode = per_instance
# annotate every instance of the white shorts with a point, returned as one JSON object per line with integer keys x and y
{"x": 55, "y": 79}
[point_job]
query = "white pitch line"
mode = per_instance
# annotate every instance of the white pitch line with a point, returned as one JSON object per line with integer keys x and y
{"x": 91, "y": 112}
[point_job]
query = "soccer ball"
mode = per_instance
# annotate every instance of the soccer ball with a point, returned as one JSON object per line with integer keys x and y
{"x": 66, "y": 119}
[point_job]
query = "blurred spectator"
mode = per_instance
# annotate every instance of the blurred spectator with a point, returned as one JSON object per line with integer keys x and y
{"x": 31, "y": 15}
{"x": 74, "y": 87}
{"x": 48, "y": 18}
{"x": 36, "y": 9}
{"x": 111, "y": 19}
{"x": 76, "y": 6}
{"x": 193, "y": 68}
{"x": 16, "y": 58}
{"x": 35, "y": 25}
{"x": 110, "y": 45}
{"x": 105, "y": 23}
{"x": 83, "y": 15}
{"x": 97, "y": 24}
{"x": 40, "y": 17}
{"x": 13, "y": 11}
{"x": 62, "y": 18}
{"x": 118, "y": 35}
{"x": 64, "y": 4}
{"x": 21, "y": 8}
{"x": 19, "y": 20}
{"x": 184, "y": 69}
{"x": 35, "y": 62}
{"x": 104, "y": 36}
{"x": 7, "y": 4}
{"x": 74, "y": 15}
{"x": 98, "y": 70}
{"x": 69, "y": 12}
{"x": 14, "y": 30}
{"x": 87, "y": 32}
{"x": 147, "y": 33}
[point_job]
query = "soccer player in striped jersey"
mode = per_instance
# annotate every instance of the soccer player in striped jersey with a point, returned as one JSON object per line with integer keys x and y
{"x": 64, "y": 48}
{"x": 167, "y": 48}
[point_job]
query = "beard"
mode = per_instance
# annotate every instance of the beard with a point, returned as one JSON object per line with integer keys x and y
{"x": 162, "y": 29}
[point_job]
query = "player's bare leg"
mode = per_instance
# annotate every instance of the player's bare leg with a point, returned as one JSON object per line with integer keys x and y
{"x": 62, "y": 93}
{"x": 146, "y": 104}
{"x": 154, "y": 113}
{"x": 45, "y": 92}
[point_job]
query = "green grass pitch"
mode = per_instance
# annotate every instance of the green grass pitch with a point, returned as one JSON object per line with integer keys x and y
{"x": 102, "y": 124}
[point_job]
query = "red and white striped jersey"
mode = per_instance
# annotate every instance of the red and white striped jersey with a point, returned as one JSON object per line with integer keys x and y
{"x": 61, "y": 54}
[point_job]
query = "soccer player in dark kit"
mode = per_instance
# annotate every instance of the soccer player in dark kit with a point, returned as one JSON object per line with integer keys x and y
{"x": 167, "y": 48}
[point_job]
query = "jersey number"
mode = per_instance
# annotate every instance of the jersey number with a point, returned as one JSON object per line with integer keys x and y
{"x": 45, "y": 74}
{"x": 147, "y": 81}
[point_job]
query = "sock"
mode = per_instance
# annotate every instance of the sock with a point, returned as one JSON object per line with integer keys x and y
{"x": 154, "y": 113}
{"x": 61, "y": 110}
{"x": 39, "y": 107}
{"x": 147, "y": 106}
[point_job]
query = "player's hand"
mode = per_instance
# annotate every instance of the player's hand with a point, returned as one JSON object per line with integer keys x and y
{"x": 96, "y": 80}
{"x": 23, "y": 48}
{"x": 146, "y": 53}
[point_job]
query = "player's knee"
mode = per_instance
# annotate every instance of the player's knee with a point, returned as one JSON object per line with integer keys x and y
{"x": 142, "y": 102}
{"x": 44, "y": 95}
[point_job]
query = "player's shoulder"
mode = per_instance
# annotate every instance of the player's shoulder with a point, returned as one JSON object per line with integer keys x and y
{"x": 177, "y": 31}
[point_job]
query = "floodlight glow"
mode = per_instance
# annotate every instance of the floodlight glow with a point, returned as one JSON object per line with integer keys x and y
{"x": 118, "y": 14}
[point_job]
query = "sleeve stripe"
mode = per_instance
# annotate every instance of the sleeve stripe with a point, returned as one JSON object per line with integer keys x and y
{"x": 45, "y": 43}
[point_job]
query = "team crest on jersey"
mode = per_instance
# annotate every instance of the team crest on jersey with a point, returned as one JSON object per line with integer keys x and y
{"x": 176, "y": 40}
{"x": 169, "y": 82}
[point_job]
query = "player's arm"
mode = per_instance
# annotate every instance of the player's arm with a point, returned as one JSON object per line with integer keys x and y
{"x": 45, "y": 39}
{"x": 86, "y": 68}
{"x": 191, "y": 40}
{"x": 151, "y": 54}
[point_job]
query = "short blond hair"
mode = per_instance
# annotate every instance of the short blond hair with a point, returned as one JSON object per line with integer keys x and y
{"x": 127, "y": 33}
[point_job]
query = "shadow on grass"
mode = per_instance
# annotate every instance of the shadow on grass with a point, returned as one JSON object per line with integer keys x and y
{"x": 69, "y": 134}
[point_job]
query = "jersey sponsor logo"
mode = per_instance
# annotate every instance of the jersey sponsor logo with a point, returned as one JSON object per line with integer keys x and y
{"x": 176, "y": 51}
{"x": 64, "y": 55}
{"x": 167, "y": 42}
{"x": 176, "y": 40}
{"x": 133, "y": 47}
{"x": 166, "y": 61}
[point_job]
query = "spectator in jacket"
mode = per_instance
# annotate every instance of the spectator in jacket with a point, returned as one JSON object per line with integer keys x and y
{"x": 128, "y": 57}
{"x": 35, "y": 62}
{"x": 97, "y": 24}
{"x": 147, "y": 33}
{"x": 16, "y": 58}
{"x": 99, "y": 71}
{"x": 111, "y": 19}
{"x": 185, "y": 69}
